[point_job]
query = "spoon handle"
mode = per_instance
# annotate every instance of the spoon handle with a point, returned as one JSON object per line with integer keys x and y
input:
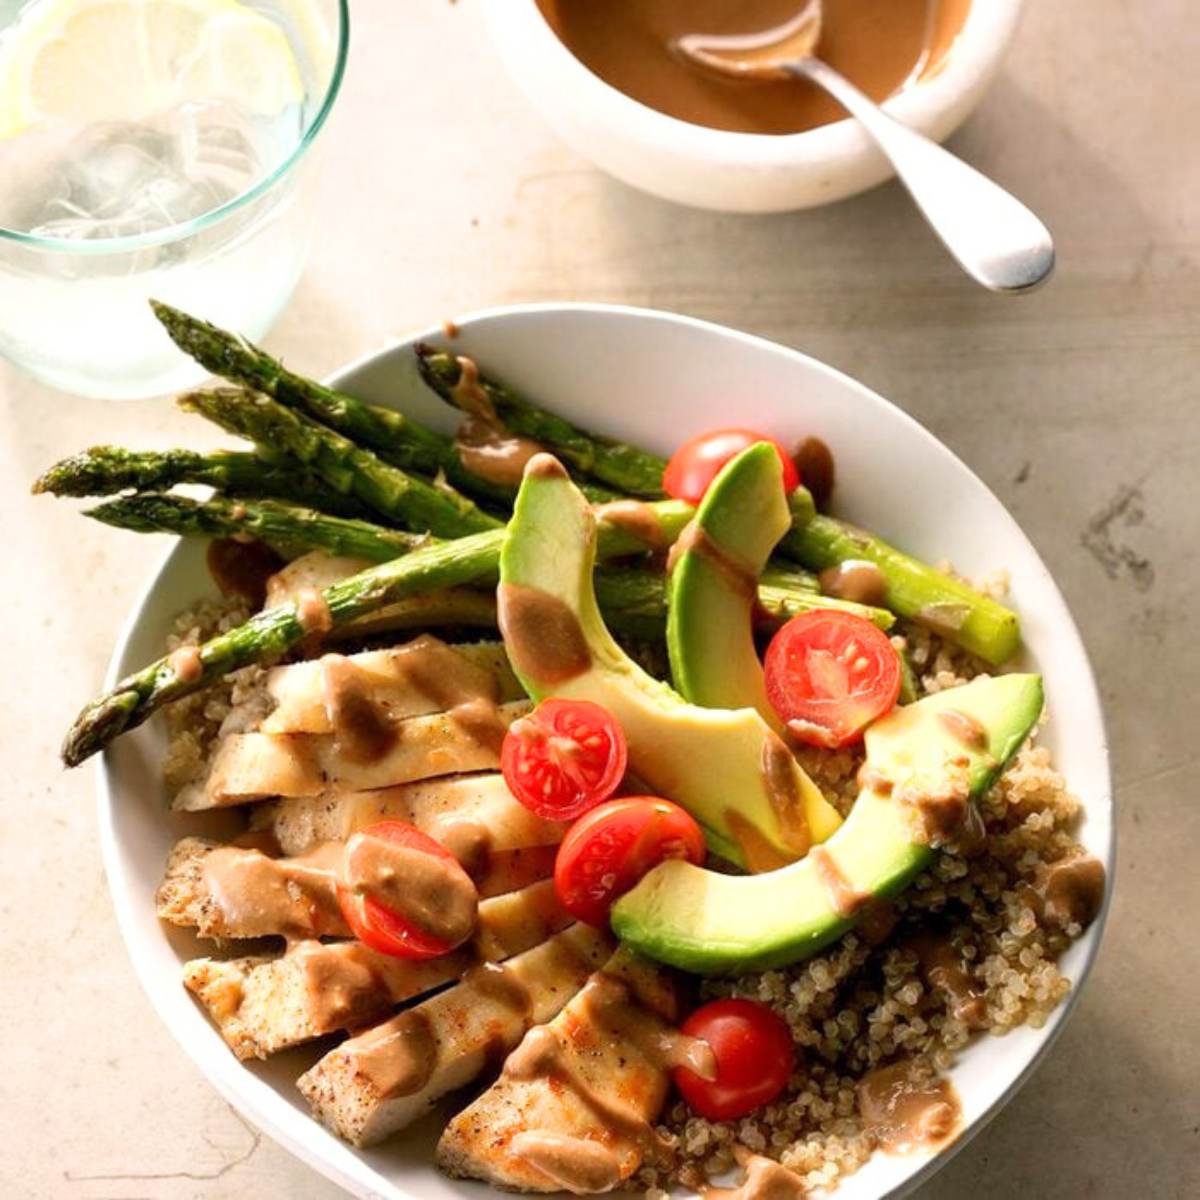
{"x": 994, "y": 237}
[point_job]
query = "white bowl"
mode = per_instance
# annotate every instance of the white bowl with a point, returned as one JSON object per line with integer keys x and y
{"x": 653, "y": 378}
{"x": 736, "y": 172}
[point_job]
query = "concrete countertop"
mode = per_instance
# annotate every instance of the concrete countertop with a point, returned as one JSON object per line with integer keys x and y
{"x": 1078, "y": 405}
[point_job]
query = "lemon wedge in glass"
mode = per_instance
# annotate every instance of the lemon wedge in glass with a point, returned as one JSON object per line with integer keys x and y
{"x": 127, "y": 60}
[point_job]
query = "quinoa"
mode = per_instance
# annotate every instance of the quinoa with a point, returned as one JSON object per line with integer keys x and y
{"x": 195, "y": 723}
{"x": 857, "y": 1007}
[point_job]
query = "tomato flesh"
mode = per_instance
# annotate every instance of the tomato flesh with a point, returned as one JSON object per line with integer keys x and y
{"x": 829, "y": 674}
{"x": 754, "y": 1054}
{"x": 609, "y": 849}
{"x": 698, "y": 462}
{"x": 564, "y": 758}
{"x": 373, "y": 923}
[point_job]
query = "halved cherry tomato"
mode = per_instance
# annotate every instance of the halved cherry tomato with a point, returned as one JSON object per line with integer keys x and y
{"x": 610, "y": 848}
{"x": 564, "y": 758}
{"x": 698, "y": 462}
{"x": 374, "y": 923}
{"x": 829, "y": 674}
{"x": 755, "y": 1056}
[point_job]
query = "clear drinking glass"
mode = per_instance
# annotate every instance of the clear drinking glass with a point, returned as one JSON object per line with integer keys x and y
{"x": 154, "y": 148}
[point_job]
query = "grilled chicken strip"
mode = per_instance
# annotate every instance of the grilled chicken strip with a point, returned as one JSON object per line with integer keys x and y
{"x": 242, "y": 892}
{"x": 263, "y": 1005}
{"x": 255, "y": 766}
{"x": 476, "y": 816}
{"x": 420, "y": 677}
{"x": 316, "y": 569}
{"x": 575, "y": 1104}
{"x": 380, "y": 1081}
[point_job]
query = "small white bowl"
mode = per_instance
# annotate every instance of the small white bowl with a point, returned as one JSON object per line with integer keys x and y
{"x": 652, "y": 378}
{"x": 736, "y": 172}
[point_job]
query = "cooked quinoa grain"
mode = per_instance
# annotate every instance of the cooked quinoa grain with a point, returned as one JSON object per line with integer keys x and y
{"x": 195, "y": 722}
{"x": 857, "y": 1006}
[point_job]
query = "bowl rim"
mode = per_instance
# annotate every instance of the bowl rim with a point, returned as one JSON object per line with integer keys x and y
{"x": 976, "y": 53}
{"x": 257, "y": 1101}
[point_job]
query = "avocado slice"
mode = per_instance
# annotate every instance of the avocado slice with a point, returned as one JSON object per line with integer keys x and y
{"x": 949, "y": 744}
{"x": 719, "y": 557}
{"x": 727, "y": 767}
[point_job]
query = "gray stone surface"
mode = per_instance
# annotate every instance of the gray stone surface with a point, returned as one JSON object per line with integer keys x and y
{"x": 1077, "y": 405}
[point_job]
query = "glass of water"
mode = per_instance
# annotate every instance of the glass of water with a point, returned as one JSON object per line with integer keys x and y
{"x": 154, "y": 148}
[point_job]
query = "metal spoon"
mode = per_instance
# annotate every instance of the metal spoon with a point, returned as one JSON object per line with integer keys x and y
{"x": 994, "y": 237}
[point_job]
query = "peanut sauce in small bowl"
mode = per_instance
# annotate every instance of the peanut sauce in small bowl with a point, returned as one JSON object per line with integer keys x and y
{"x": 611, "y": 82}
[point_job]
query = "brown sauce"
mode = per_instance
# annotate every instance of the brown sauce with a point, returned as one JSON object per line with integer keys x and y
{"x": 810, "y": 733}
{"x": 467, "y": 691}
{"x": 765, "y": 1179}
{"x": 857, "y": 580}
{"x": 258, "y": 896}
{"x": 542, "y": 635}
{"x": 241, "y": 568}
{"x": 965, "y": 728}
{"x": 496, "y": 983}
{"x": 942, "y": 965}
{"x": 814, "y": 462}
{"x": 844, "y": 898}
{"x": 398, "y": 1057}
{"x": 907, "y": 1110}
{"x": 492, "y": 453}
{"x": 485, "y": 447}
{"x": 943, "y": 813}
{"x": 342, "y": 983}
{"x": 737, "y": 573}
{"x": 783, "y": 791}
{"x": 433, "y": 893}
{"x": 876, "y": 921}
{"x": 758, "y": 853}
{"x": 361, "y": 729}
{"x": 576, "y": 1164}
{"x": 481, "y": 721}
{"x": 469, "y": 841}
{"x": 635, "y": 518}
{"x": 186, "y": 663}
{"x": 1070, "y": 891}
{"x": 883, "y": 46}
{"x": 468, "y": 393}
{"x": 442, "y": 675}
{"x": 872, "y": 779}
{"x": 312, "y": 612}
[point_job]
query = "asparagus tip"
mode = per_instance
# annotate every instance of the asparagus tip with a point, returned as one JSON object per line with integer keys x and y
{"x": 97, "y": 725}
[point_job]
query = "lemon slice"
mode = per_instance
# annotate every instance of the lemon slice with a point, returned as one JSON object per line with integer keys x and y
{"x": 127, "y": 60}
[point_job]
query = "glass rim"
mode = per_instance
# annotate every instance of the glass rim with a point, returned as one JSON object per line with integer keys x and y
{"x": 183, "y": 229}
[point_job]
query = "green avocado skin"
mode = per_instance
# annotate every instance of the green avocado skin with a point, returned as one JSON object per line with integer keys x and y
{"x": 713, "y": 924}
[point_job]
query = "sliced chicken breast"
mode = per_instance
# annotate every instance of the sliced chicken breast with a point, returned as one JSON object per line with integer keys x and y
{"x": 255, "y": 766}
{"x": 380, "y": 1081}
{"x": 316, "y": 570}
{"x": 242, "y": 892}
{"x": 476, "y": 813}
{"x": 397, "y": 681}
{"x": 266, "y": 1004}
{"x": 574, "y": 1107}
